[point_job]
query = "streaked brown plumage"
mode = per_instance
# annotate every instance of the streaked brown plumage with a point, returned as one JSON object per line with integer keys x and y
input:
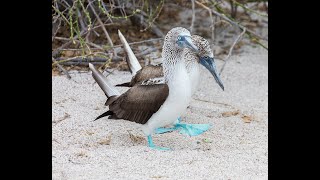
{"x": 147, "y": 72}
{"x": 139, "y": 103}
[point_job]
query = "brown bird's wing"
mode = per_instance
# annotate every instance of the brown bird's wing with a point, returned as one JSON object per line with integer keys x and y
{"x": 147, "y": 72}
{"x": 139, "y": 103}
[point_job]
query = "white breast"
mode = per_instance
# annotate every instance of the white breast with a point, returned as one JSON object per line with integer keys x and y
{"x": 176, "y": 103}
{"x": 194, "y": 75}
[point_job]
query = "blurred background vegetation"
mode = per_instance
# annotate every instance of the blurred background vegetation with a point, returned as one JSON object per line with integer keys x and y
{"x": 86, "y": 31}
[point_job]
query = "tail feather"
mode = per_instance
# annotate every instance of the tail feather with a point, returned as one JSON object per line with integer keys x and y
{"x": 108, "y": 89}
{"x": 127, "y": 84}
{"x": 132, "y": 60}
{"x": 108, "y": 113}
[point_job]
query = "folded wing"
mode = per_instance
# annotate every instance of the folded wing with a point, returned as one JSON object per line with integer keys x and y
{"x": 139, "y": 103}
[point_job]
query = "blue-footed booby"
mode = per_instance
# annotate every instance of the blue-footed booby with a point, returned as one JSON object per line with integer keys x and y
{"x": 154, "y": 74}
{"x": 156, "y": 105}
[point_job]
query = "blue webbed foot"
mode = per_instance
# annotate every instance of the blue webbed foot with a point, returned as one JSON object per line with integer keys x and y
{"x": 193, "y": 129}
{"x": 186, "y": 129}
{"x": 165, "y": 130}
{"x": 152, "y": 146}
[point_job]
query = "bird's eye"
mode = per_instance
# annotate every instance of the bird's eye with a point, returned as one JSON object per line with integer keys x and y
{"x": 206, "y": 57}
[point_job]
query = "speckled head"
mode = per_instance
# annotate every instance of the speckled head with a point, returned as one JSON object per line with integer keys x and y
{"x": 206, "y": 57}
{"x": 203, "y": 46}
{"x": 177, "y": 39}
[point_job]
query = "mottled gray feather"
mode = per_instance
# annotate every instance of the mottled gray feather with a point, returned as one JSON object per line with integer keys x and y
{"x": 147, "y": 72}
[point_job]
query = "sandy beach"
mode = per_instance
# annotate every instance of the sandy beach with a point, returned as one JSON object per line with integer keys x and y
{"x": 236, "y": 146}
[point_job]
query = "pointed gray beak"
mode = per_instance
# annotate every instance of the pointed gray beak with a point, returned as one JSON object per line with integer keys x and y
{"x": 211, "y": 66}
{"x": 189, "y": 44}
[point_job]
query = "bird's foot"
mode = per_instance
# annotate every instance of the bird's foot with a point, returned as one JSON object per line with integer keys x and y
{"x": 165, "y": 130}
{"x": 187, "y": 129}
{"x": 192, "y": 129}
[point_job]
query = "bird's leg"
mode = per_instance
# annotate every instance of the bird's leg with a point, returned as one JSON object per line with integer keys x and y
{"x": 152, "y": 146}
{"x": 165, "y": 130}
{"x": 178, "y": 120}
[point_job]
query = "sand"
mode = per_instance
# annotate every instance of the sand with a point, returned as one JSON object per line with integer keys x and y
{"x": 236, "y": 147}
